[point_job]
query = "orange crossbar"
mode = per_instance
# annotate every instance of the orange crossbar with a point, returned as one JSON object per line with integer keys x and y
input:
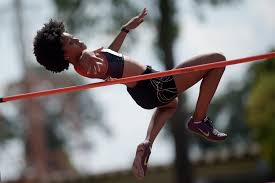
{"x": 138, "y": 78}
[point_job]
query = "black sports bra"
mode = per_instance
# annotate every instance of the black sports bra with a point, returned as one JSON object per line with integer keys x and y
{"x": 115, "y": 63}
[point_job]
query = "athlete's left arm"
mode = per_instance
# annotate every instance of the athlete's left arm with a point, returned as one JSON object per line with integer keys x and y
{"x": 131, "y": 24}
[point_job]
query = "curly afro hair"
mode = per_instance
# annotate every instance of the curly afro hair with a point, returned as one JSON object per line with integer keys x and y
{"x": 48, "y": 46}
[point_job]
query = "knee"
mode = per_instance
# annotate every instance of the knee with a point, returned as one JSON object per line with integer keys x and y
{"x": 218, "y": 57}
{"x": 172, "y": 106}
{"x": 175, "y": 103}
{"x": 221, "y": 70}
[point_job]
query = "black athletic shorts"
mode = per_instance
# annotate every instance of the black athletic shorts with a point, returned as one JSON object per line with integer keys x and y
{"x": 154, "y": 92}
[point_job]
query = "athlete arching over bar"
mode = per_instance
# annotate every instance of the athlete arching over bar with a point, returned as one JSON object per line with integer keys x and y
{"x": 56, "y": 49}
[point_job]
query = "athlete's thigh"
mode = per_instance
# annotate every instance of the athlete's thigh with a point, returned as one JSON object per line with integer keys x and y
{"x": 202, "y": 59}
{"x": 185, "y": 81}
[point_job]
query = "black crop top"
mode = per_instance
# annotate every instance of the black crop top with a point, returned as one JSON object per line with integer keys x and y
{"x": 115, "y": 63}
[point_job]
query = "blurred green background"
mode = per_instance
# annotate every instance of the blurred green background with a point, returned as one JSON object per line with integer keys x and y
{"x": 91, "y": 136}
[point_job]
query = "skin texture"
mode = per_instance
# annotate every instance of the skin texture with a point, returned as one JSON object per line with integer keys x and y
{"x": 93, "y": 64}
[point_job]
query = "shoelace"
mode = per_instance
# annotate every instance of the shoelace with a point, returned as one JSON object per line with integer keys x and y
{"x": 209, "y": 123}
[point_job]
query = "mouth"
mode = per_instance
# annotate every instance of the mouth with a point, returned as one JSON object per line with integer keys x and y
{"x": 97, "y": 69}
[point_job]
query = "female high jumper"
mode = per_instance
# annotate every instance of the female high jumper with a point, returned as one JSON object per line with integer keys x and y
{"x": 56, "y": 49}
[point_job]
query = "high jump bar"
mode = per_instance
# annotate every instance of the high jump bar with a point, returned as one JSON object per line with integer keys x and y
{"x": 138, "y": 77}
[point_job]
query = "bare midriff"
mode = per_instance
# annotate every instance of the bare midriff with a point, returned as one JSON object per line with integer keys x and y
{"x": 132, "y": 68}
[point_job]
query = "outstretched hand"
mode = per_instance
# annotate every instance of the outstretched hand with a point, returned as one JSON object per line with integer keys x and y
{"x": 136, "y": 21}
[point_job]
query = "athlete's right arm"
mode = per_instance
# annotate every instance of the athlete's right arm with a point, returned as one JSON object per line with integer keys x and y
{"x": 131, "y": 24}
{"x": 85, "y": 66}
{"x": 116, "y": 44}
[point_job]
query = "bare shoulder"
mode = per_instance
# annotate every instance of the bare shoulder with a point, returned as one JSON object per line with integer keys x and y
{"x": 84, "y": 63}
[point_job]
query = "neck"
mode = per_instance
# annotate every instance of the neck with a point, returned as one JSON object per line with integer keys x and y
{"x": 74, "y": 60}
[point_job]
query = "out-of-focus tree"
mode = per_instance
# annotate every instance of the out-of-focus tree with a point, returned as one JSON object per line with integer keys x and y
{"x": 167, "y": 32}
{"x": 50, "y": 126}
{"x": 6, "y": 126}
{"x": 47, "y": 126}
{"x": 261, "y": 108}
{"x": 224, "y": 111}
{"x": 248, "y": 108}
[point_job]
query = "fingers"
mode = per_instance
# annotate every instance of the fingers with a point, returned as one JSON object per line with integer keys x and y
{"x": 141, "y": 16}
{"x": 95, "y": 71}
{"x": 137, "y": 20}
{"x": 98, "y": 68}
{"x": 98, "y": 50}
{"x": 89, "y": 70}
{"x": 143, "y": 13}
{"x": 92, "y": 69}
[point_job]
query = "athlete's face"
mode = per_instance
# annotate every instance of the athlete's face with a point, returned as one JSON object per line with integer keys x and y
{"x": 72, "y": 47}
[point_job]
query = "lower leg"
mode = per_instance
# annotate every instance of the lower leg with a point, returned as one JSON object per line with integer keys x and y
{"x": 208, "y": 88}
{"x": 199, "y": 124}
{"x": 158, "y": 120}
{"x": 210, "y": 81}
{"x": 161, "y": 115}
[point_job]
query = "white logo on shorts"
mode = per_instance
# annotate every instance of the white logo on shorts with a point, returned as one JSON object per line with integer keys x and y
{"x": 165, "y": 95}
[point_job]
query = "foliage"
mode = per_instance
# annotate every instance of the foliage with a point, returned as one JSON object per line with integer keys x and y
{"x": 51, "y": 123}
{"x": 250, "y": 109}
{"x": 200, "y": 6}
{"x": 91, "y": 13}
{"x": 215, "y": 2}
{"x": 229, "y": 109}
{"x": 261, "y": 108}
{"x": 6, "y": 131}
